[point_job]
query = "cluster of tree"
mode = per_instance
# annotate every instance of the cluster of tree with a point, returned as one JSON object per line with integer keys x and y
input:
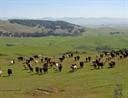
{"x": 44, "y": 23}
{"x": 21, "y": 34}
{"x": 36, "y": 34}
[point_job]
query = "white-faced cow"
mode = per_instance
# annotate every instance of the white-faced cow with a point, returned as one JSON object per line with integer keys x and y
{"x": 74, "y": 67}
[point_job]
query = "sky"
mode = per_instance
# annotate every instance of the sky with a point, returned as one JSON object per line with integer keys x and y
{"x": 63, "y": 8}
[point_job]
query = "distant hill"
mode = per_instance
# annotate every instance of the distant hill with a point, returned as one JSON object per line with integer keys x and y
{"x": 45, "y": 27}
{"x": 38, "y": 28}
{"x": 94, "y": 22}
{"x": 106, "y": 31}
{"x": 98, "y": 26}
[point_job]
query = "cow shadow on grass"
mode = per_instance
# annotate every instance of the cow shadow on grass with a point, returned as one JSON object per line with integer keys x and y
{"x": 71, "y": 71}
{"x": 5, "y": 76}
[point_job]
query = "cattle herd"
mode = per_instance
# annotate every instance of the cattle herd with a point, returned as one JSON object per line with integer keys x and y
{"x": 46, "y": 63}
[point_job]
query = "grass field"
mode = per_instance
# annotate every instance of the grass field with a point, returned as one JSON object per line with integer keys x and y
{"x": 84, "y": 83}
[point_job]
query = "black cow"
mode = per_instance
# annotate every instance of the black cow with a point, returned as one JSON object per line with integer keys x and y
{"x": 100, "y": 65}
{"x": 20, "y": 58}
{"x": 42, "y": 60}
{"x": 31, "y": 69}
{"x": 77, "y": 58}
{"x": 9, "y": 72}
{"x": 37, "y": 69}
{"x": 62, "y": 58}
{"x": 88, "y": 59}
{"x": 41, "y": 70}
{"x": 94, "y": 64}
{"x": 31, "y": 59}
{"x": 36, "y": 56}
{"x": 45, "y": 67}
{"x": 60, "y": 67}
{"x": 81, "y": 64}
{"x": 97, "y": 64}
{"x": 101, "y": 55}
{"x": 112, "y": 64}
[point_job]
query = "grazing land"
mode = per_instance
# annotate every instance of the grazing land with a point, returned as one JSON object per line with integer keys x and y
{"x": 83, "y": 83}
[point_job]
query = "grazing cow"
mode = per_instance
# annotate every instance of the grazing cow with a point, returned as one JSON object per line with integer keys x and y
{"x": 42, "y": 60}
{"x": 37, "y": 69}
{"x": 117, "y": 53}
{"x": 73, "y": 67}
{"x": 71, "y": 55}
{"x": 100, "y": 65}
{"x": 49, "y": 60}
{"x": 46, "y": 59}
{"x": 45, "y": 67}
{"x": 94, "y": 64}
{"x": 112, "y": 54}
{"x": 31, "y": 69}
{"x": 12, "y": 62}
{"x": 125, "y": 54}
{"x": 52, "y": 63}
{"x": 97, "y": 64}
{"x": 20, "y": 58}
{"x": 112, "y": 64}
{"x": 121, "y": 56}
{"x": 27, "y": 61}
{"x": 58, "y": 67}
{"x": 81, "y": 64}
{"x": 101, "y": 55}
{"x": 108, "y": 58}
{"x": 36, "y": 61}
{"x": 9, "y": 72}
{"x": 88, "y": 59}
{"x": 36, "y": 56}
{"x": 1, "y": 72}
{"x": 77, "y": 58}
{"x": 25, "y": 66}
{"x": 106, "y": 53}
{"x": 41, "y": 70}
{"x": 62, "y": 58}
{"x": 31, "y": 59}
{"x": 68, "y": 54}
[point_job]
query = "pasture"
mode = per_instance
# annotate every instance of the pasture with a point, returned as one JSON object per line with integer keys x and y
{"x": 83, "y": 83}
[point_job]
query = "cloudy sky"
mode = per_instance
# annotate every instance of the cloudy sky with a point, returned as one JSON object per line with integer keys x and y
{"x": 64, "y": 8}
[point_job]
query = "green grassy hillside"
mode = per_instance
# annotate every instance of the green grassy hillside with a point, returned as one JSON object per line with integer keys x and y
{"x": 84, "y": 83}
{"x": 56, "y": 45}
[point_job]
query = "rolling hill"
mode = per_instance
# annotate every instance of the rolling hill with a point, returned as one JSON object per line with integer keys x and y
{"x": 38, "y": 28}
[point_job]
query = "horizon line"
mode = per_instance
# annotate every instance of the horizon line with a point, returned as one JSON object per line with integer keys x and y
{"x": 6, "y": 18}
